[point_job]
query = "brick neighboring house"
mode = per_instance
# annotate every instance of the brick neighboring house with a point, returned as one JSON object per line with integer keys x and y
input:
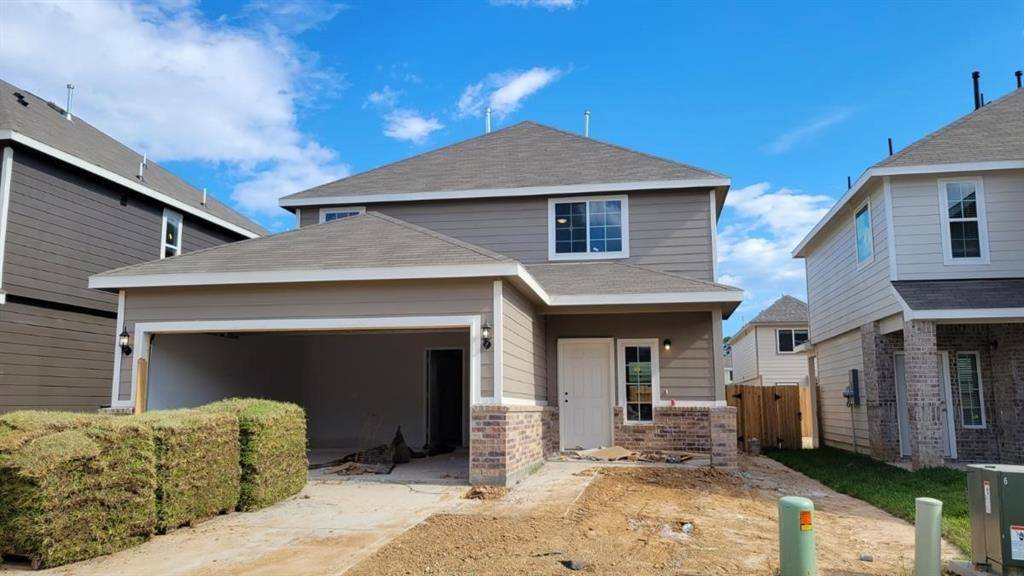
{"x": 515, "y": 293}
{"x": 915, "y": 280}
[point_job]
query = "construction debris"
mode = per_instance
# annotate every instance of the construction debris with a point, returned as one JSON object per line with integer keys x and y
{"x": 485, "y": 493}
{"x": 358, "y": 468}
{"x": 619, "y": 454}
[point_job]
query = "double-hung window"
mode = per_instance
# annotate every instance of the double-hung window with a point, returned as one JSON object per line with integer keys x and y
{"x": 964, "y": 230}
{"x": 972, "y": 404}
{"x": 588, "y": 228}
{"x": 170, "y": 233}
{"x": 789, "y": 338}
{"x": 865, "y": 239}
{"x": 332, "y": 214}
{"x": 638, "y": 379}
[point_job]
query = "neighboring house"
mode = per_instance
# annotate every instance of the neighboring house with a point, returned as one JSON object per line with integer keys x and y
{"x": 519, "y": 292}
{"x": 915, "y": 281}
{"x": 765, "y": 350}
{"x": 727, "y": 360}
{"x": 72, "y": 204}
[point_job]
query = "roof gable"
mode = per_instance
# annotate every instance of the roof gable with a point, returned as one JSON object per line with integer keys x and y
{"x": 785, "y": 310}
{"x": 523, "y": 155}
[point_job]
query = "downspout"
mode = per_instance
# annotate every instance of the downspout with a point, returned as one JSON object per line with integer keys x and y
{"x": 6, "y": 167}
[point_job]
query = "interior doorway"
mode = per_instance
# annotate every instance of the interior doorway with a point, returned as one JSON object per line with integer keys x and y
{"x": 445, "y": 391}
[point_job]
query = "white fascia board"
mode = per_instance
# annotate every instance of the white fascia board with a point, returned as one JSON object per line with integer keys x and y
{"x": 122, "y": 181}
{"x": 298, "y": 276}
{"x": 798, "y": 252}
{"x": 504, "y": 192}
{"x": 651, "y": 298}
{"x": 969, "y": 314}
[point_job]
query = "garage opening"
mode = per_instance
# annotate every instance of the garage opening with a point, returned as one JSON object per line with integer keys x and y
{"x": 358, "y": 387}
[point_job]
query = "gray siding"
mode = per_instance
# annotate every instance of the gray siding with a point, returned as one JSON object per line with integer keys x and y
{"x": 524, "y": 370}
{"x": 840, "y": 296}
{"x": 836, "y": 357}
{"x": 319, "y": 300}
{"x": 669, "y": 230}
{"x": 687, "y": 371}
{"x": 918, "y": 227}
{"x": 54, "y": 359}
{"x": 65, "y": 226}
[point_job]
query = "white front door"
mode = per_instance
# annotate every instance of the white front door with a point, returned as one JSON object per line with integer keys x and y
{"x": 903, "y": 413}
{"x": 585, "y": 371}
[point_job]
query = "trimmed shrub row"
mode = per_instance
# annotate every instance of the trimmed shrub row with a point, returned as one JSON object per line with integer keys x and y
{"x": 76, "y": 486}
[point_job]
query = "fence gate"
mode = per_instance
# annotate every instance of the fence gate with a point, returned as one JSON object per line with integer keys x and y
{"x": 773, "y": 414}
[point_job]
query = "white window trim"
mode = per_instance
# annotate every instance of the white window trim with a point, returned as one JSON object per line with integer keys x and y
{"x": 325, "y": 211}
{"x": 624, "y": 253}
{"x": 171, "y": 215}
{"x": 947, "y": 251}
{"x": 778, "y": 346}
{"x": 655, "y": 376}
{"x": 871, "y": 233}
{"x": 981, "y": 390}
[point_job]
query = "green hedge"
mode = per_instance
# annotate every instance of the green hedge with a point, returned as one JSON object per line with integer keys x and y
{"x": 74, "y": 486}
{"x": 273, "y": 449}
{"x": 197, "y": 465}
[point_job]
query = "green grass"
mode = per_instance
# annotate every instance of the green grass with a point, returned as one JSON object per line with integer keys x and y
{"x": 888, "y": 487}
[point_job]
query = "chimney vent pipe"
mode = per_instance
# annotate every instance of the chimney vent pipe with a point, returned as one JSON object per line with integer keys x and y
{"x": 71, "y": 92}
{"x": 976, "y": 79}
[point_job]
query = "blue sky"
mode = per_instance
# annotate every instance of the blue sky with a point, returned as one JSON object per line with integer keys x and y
{"x": 257, "y": 99}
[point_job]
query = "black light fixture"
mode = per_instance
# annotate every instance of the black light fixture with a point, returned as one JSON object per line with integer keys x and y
{"x": 666, "y": 344}
{"x": 125, "y": 340}
{"x": 485, "y": 336}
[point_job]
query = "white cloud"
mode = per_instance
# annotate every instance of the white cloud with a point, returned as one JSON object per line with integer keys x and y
{"x": 177, "y": 86}
{"x": 403, "y": 124}
{"x": 787, "y": 140}
{"x": 386, "y": 97}
{"x": 548, "y": 4}
{"x": 784, "y": 212}
{"x": 504, "y": 92}
{"x": 294, "y": 16}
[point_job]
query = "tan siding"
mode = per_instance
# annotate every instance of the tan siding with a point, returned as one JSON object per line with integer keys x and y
{"x": 776, "y": 368}
{"x": 744, "y": 357}
{"x": 524, "y": 370}
{"x": 919, "y": 227}
{"x": 54, "y": 359}
{"x": 841, "y": 297}
{"x": 687, "y": 371}
{"x": 669, "y": 230}
{"x": 326, "y": 300}
{"x": 836, "y": 357}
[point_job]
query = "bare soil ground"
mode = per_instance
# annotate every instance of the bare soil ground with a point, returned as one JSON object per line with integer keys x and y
{"x": 629, "y": 520}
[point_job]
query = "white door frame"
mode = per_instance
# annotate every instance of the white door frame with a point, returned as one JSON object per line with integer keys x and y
{"x": 620, "y": 376}
{"x": 947, "y": 400}
{"x": 465, "y": 391}
{"x": 611, "y": 382}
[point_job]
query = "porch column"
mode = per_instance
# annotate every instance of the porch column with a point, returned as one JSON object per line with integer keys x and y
{"x": 880, "y": 393}
{"x": 924, "y": 393}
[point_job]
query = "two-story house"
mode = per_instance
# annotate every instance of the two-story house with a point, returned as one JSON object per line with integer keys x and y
{"x": 518, "y": 293}
{"x": 766, "y": 350}
{"x": 75, "y": 202}
{"x": 915, "y": 283}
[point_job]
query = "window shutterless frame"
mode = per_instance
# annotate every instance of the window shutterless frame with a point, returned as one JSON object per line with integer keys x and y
{"x": 865, "y": 245}
{"x": 340, "y": 212}
{"x": 171, "y": 229}
{"x": 792, "y": 332}
{"x": 586, "y": 200}
{"x": 980, "y": 218}
{"x": 622, "y": 344}
{"x": 980, "y": 390}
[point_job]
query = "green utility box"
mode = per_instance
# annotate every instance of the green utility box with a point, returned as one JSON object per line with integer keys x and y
{"x": 995, "y": 496}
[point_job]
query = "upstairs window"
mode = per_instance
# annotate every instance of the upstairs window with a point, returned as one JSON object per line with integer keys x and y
{"x": 789, "y": 338}
{"x": 964, "y": 231}
{"x": 588, "y": 228}
{"x": 332, "y": 214}
{"x": 170, "y": 232}
{"x": 865, "y": 239}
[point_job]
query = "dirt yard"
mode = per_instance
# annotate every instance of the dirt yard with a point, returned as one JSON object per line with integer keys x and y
{"x": 631, "y": 521}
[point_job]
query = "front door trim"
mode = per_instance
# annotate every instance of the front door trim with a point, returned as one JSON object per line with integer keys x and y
{"x": 611, "y": 382}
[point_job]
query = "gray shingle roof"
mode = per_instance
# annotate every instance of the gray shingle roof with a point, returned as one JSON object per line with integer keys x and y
{"x": 371, "y": 240}
{"x": 523, "y": 155}
{"x": 571, "y": 278}
{"x": 993, "y": 132}
{"x": 40, "y": 122}
{"x": 785, "y": 310}
{"x": 961, "y": 294}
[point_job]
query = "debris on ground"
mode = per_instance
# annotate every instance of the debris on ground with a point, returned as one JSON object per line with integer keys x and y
{"x": 620, "y": 454}
{"x": 401, "y": 454}
{"x": 573, "y": 565}
{"x": 486, "y": 493}
{"x": 358, "y": 468}
{"x": 681, "y": 531}
{"x": 865, "y": 557}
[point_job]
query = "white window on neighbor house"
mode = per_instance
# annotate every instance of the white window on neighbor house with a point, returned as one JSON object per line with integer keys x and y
{"x": 865, "y": 239}
{"x": 789, "y": 338}
{"x": 638, "y": 379}
{"x": 332, "y": 214}
{"x": 588, "y": 228}
{"x": 728, "y": 375}
{"x": 964, "y": 228}
{"x": 972, "y": 403}
{"x": 170, "y": 233}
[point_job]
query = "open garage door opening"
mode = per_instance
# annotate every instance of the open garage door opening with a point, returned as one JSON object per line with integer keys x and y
{"x": 357, "y": 387}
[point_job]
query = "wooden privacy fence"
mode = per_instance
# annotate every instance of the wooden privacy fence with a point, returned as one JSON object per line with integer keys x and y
{"x": 779, "y": 416}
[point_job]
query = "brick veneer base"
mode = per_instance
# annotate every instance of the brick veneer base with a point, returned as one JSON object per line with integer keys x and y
{"x": 677, "y": 428}
{"x": 507, "y": 443}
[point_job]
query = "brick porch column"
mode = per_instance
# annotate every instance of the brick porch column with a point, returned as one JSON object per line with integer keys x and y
{"x": 924, "y": 393}
{"x": 723, "y": 437}
{"x": 879, "y": 382}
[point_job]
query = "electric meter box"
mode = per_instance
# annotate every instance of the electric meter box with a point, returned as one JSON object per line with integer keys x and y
{"x": 995, "y": 497}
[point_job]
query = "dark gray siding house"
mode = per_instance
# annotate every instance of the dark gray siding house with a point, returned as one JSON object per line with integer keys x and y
{"x": 71, "y": 205}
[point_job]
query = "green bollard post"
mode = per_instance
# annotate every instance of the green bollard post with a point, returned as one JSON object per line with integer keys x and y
{"x": 927, "y": 537}
{"x": 796, "y": 537}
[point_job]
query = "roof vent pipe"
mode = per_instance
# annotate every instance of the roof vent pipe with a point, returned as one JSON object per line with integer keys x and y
{"x": 976, "y": 78}
{"x": 204, "y": 196}
{"x": 142, "y": 165}
{"x": 487, "y": 121}
{"x": 1018, "y": 74}
{"x": 586, "y": 123}
{"x": 71, "y": 92}
{"x": 890, "y": 146}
